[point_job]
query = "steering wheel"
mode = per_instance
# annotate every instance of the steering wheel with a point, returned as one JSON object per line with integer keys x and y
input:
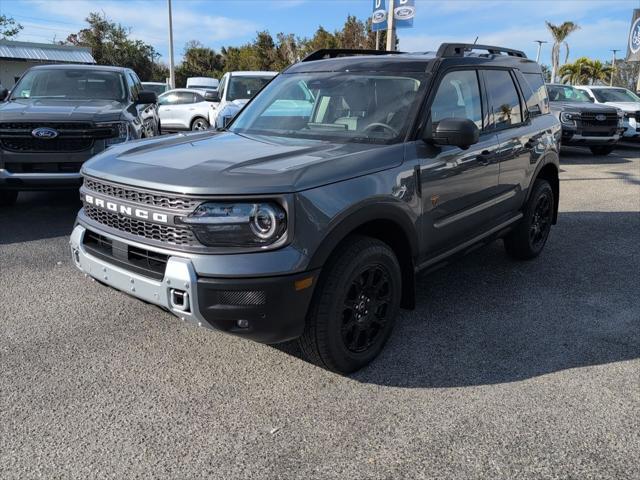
{"x": 373, "y": 125}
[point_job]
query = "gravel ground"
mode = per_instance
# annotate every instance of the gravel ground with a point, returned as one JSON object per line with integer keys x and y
{"x": 505, "y": 370}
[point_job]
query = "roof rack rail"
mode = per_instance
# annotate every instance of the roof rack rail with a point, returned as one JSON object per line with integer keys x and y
{"x": 458, "y": 49}
{"x": 337, "y": 52}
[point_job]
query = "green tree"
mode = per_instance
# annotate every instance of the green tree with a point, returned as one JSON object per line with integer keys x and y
{"x": 110, "y": 45}
{"x": 198, "y": 61}
{"x": 585, "y": 71}
{"x": 9, "y": 28}
{"x": 560, "y": 34}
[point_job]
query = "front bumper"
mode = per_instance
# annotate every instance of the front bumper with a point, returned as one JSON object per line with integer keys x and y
{"x": 264, "y": 309}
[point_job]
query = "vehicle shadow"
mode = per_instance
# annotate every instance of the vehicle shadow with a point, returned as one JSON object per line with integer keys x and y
{"x": 488, "y": 319}
{"x": 39, "y": 215}
{"x": 583, "y": 156}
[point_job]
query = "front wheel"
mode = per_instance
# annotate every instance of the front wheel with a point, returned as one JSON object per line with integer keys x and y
{"x": 529, "y": 237}
{"x": 602, "y": 149}
{"x": 8, "y": 197}
{"x": 199, "y": 124}
{"x": 354, "y": 306}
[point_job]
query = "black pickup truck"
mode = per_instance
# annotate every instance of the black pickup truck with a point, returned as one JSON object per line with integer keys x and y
{"x": 58, "y": 116}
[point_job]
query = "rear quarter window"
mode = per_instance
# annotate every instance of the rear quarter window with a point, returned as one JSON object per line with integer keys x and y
{"x": 535, "y": 92}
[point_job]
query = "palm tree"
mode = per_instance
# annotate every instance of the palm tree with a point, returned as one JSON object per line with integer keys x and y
{"x": 600, "y": 72}
{"x": 560, "y": 34}
{"x": 576, "y": 73}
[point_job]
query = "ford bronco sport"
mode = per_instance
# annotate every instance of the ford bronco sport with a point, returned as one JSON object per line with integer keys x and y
{"x": 309, "y": 216}
{"x": 58, "y": 116}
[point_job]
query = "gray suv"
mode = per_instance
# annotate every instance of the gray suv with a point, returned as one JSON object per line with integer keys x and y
{"x": 58, "y": 116}
{"x": 309, "y": 216}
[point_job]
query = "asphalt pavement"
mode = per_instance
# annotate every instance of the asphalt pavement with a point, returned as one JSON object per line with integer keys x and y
{"x": 505, "y": 370}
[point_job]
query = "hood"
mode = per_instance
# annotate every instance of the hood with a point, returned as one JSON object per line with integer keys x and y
{"x": 47, "y": 110}
{"x": 582, "y": 107}
{"x": 227, "y": 163}
{"x": 625, "y": 106}
{"x": 241, "y": 102}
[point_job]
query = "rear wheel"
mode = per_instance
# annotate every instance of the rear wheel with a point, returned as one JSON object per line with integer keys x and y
{"x": 199, "y": 124}
{"x": 602, "y": 149}
{"x": 354, "y": 307}
{"x": 528, "y": 239}
{"x": 8, "y": 197}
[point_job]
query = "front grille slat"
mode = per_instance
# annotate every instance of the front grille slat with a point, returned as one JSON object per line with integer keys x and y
{"x": 159, "y": 200}
{"x": 160, "y": 233}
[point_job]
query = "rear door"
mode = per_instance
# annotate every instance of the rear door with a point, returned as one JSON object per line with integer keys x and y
{"x": 518, "y": 135}
{"x": 457, "y": 185}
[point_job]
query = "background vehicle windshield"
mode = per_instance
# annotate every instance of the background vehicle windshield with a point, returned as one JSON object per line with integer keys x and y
{"x": 243, "y": 88}
{"x": 71, "y": 85}
{"x": 565, "y": 93}
{"x": 361, "y": 107}
{"x": 615, "y": 95}
{"x": 157, "y": 89}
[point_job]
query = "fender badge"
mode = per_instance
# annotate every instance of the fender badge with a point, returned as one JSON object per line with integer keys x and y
{"x": 434, "y": 200}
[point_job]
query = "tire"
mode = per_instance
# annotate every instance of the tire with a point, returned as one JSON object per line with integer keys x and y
{"x": 199, "y": 123}
{"x": 354, "y": 307}
{"x": 529, "y": 237}
{"x": 602, "y": 149}
{"x": 8, "y": 197}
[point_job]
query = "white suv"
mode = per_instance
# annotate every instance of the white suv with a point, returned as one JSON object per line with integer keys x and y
{"x": 621, "y": 98}
{"x": 236, "y": 89}
{"x": 185, "y": 109}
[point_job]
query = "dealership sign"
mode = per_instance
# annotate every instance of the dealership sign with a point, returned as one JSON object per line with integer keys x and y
{"x": 379, "y": 17}
{"x": 633, "y": 52}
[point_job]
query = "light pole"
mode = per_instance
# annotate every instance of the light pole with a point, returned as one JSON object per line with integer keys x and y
{"x": 172, "y": 72}
{"x": 539, "y": 42}
{"x": 391, "y": 28}
{"x": 613, "y": 65}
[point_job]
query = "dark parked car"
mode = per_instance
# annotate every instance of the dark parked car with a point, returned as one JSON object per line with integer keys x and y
{"x": 310, "y": 215}
{"x": 58, "y": 116}
{"x": 585, "y": 123}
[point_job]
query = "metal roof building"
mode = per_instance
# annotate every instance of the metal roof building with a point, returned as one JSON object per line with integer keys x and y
{"x": 16, "y": 57}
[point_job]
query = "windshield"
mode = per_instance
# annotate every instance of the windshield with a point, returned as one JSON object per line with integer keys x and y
{"x": 565, "y": 93}
{"x": 243, "y": 88}
{"x": 359, "y": 107}
{"x": 153, "y": 87}
{"x": 615, "y": 95}
{"x": 80, "y": 84}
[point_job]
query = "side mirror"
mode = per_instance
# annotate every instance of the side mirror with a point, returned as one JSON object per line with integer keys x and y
{"x": 212, "y": 96}
{"x": 4, "y": 93}
{"x": 459, "y": 132}
{"x": 147, "y": 97}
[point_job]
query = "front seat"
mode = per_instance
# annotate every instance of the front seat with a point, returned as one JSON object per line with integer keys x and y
{"x": 356, "y": 104}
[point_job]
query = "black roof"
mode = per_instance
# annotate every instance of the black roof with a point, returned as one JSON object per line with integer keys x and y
{"x": 73, "y": 66}
{"x": 337, "y": 60}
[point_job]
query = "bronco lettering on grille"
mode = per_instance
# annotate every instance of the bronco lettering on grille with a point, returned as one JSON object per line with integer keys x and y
{"x": 140, "y": 213}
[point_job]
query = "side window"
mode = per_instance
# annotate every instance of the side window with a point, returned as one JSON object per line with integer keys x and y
{"x": 536, "y": 93}
{"x": 197, "y": 98}
{"x": 184, "y": 98}
{"x": 504, "y": 102}
{"x": 458, "y": 96}
{"x": 134, "y": 85}
{"x": 222, "y": 86}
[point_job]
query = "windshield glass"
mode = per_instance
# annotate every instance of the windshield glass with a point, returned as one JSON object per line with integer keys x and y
{"x": 615, "y": 95}
{"x": 565, "y": 93}
{"x": 80, "y": 84}
{"x": 153, "y": 87}
{"x": 243, "y": 88}
{"x": 359, "y": 107}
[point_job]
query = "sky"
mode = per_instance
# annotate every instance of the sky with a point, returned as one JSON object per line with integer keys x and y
{"x": 604, "y": 24}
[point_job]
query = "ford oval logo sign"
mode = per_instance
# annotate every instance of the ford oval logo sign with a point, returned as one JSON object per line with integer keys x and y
{"x": 44, "y": 133}
{"x": 634, "y": 37}
{"x": 405, "y": 13}
{"x": 600, "y": 117}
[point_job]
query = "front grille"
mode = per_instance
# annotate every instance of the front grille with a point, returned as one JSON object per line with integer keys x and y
{"x": 142, "y": 196}
{"x": 72, "y": 136}
{"x": 598, "y": 133}
{"x": 49, "y": 167}
{"x": 160, "y": 233}
{"x": 145, "y": 262}
{"x": 588, "y": 119}
{"x": 52, "y": 145}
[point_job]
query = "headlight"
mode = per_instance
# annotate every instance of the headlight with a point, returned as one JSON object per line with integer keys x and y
{"x": 238, "y": 224}
{"x": 569, "y": 117}
{"x": 120, "y": 132}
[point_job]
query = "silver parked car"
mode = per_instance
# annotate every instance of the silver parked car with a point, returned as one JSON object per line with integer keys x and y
{"x": 185, "y": 109}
